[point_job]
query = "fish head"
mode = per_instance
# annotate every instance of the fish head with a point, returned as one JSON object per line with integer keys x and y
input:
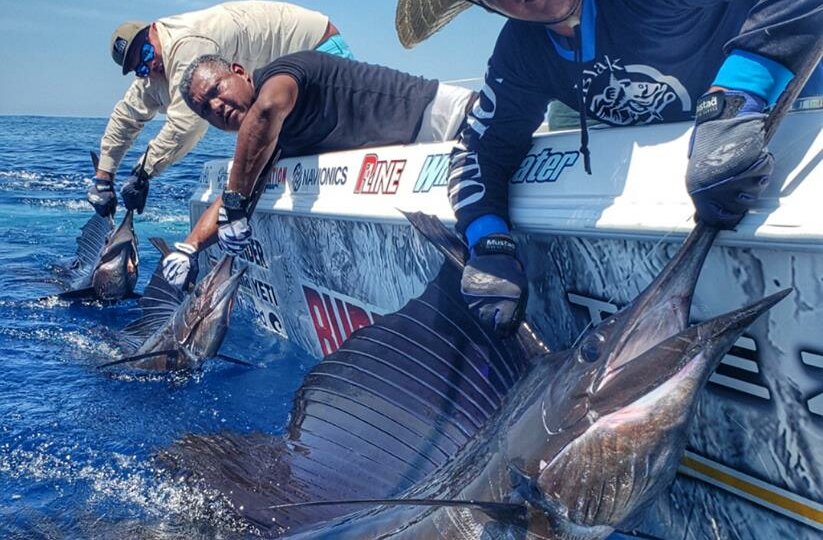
{"x": 659, "y": 312}
{"x": 209, "y": 308}
{"x": 622, "y": 446}
{"x": 115, "y": 274}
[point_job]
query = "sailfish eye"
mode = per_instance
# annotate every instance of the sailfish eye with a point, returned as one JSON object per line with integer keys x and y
{"x": 590, "y": 348}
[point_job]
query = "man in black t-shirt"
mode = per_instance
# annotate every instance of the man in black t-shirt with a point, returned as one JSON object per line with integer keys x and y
{"x": 304, "y": 103}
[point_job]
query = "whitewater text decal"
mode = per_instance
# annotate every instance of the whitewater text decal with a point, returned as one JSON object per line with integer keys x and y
{"x": 544, "y": 166}
{"x": 433, "y": 173}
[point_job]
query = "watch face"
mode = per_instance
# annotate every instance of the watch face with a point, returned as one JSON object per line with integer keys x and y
{"x": 233, "y": 200}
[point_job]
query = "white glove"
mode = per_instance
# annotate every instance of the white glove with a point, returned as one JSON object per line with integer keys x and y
{"x": 180, "y": 267}
{"x": 233, "y": 236}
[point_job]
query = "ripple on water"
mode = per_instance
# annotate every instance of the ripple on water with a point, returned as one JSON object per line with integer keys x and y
{"x": 76, "y": 443}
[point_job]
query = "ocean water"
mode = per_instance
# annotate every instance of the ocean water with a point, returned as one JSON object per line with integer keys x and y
{"x": 77, "y": 444}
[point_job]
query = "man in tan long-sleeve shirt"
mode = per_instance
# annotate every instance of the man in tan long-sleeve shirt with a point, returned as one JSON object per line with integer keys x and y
{"x": 251, "y": 33}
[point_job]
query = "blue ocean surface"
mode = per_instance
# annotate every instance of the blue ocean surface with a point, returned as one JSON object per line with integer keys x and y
{"x": 77, "y": 444}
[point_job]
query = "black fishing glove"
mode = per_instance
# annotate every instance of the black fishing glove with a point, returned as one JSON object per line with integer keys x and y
{"x": 494, "y": 284}
{"x": 729, "y": 165}
{"x": 102, "y": 197}
{"x": 135, "y": 191}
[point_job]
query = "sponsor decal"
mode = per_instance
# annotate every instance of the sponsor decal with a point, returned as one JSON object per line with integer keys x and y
{"x": 308, "y": 179}
{"x": 222, "y": 178}
{"x": 257, "y": 296}
{"x": 206, "y": 175}
{"x": 214, "y": 172}
{"x": 265, "y": 304}
{"x": 254, "y": 254}
{"x": 379, "y": 176}
{"x": 268, "y": 319}
{"x": 335, "y": 316}
{"x": 433, "y": 173}
{"x": 544, "y": 166}
{"x": 260, "y": 289}
{"x": 276, "y": 179}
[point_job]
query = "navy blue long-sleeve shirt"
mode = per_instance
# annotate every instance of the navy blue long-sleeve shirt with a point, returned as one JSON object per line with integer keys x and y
{"x": 643, "y": 62}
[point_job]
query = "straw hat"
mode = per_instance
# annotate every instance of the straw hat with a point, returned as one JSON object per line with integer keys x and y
{"x": 416, "y": 20}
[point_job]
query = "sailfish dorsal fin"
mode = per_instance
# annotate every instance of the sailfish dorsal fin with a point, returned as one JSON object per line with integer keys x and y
{"x": 159, "y": 301}
{"x": 397, "y": 400}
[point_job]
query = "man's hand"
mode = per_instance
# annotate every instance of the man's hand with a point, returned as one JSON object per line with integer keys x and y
{"x": 729, "y": 166}
{"x": 494, "y": 284}
{"x": 234, "y": 231}
{"x": 102, "y": 197}
{"x": 180, "y": 267}
{"x": 135, "y": 191}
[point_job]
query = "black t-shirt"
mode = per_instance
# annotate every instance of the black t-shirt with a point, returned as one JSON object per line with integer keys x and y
{"x": 343, "y": 104}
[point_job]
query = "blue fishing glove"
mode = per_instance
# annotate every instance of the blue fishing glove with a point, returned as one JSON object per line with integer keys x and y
{"x": 494, "y": 284}
{"x": 102, "y": 197}
{"x": 729, "y": 166}
{"x": 234, "y": 230}
{"x": 135, "y": 191}
{"x": 180, "y": 267}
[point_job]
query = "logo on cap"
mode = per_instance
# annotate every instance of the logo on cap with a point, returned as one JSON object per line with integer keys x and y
{"x": 120, "y": 48}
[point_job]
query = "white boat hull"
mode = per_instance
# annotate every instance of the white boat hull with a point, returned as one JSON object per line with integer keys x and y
{"x": 332, "y": 251}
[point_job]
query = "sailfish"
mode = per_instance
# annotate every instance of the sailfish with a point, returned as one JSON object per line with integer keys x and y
{"x": 424, "y": 425}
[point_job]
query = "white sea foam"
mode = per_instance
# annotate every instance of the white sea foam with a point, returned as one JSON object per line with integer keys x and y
{"x": 125, "y": 479}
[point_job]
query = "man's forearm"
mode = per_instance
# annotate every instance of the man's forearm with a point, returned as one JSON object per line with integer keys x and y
{"x": 204, "y": 233}
{"x": 256, "y": 142}
{"x": 260, "y": 131}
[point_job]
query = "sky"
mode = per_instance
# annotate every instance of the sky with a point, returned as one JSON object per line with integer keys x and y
{"x": 54, "y": 59}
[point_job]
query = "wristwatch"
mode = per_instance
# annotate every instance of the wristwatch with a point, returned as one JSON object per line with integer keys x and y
{"x": 236, "y": 201}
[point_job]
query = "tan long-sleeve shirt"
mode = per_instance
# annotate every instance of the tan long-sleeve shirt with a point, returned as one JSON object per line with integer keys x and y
{"x": 250, "y": 33}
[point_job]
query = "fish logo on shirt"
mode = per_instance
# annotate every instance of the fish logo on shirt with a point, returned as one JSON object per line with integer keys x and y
{"x": 632, "y": 94}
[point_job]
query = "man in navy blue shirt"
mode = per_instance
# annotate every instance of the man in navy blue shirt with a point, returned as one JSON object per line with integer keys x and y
{"x": 623, "y": 62}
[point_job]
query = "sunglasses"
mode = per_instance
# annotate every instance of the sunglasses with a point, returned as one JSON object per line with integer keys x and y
{"x": 143, "y": 69}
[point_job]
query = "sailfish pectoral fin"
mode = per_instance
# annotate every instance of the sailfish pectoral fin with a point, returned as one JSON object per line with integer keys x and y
{"x": 233, "y": 360}
{"x": 504, "y": 512}
{"x": 134, "y": 358}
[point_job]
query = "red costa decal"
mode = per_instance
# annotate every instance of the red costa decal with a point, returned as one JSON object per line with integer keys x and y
{"x": 378, "y": 176}
{"x": 334, "y": 318}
